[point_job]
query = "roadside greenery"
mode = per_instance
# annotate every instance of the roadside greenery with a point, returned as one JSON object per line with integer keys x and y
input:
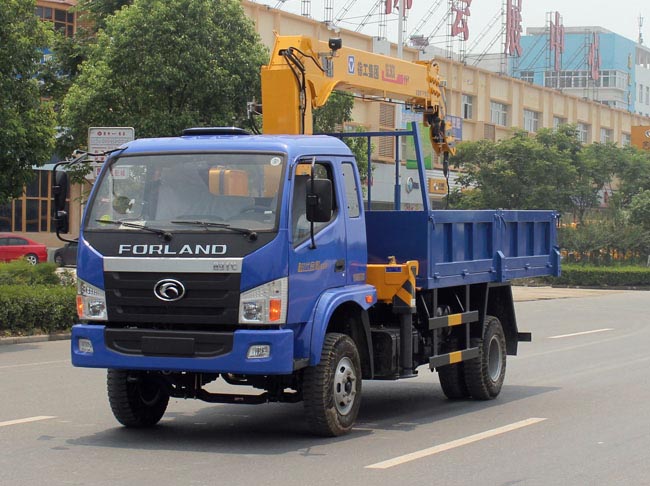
{"x": 26, "y": 122}
{"x": 602, "y": 191}
{"x": 626, "y": 276}
{"x": 35, "y": 299}
{"x": 161, "y": 72}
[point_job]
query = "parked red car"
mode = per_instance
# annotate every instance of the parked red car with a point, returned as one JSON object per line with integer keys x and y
{"x": 13, "y": 247}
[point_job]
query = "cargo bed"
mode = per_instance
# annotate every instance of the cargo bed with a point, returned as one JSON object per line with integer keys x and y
{"x": 466, "y": 247}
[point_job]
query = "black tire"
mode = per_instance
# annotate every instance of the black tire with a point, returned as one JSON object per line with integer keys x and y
{"x": 137, "y": 398}
{"x": 452, "y": 377}
{"x": 58, "y": 260}
{"x": 332, "y": 389}
{"x": 484, "y": 375}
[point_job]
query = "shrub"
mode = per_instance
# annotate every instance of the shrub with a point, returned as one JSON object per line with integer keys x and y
{"x": 36, "y": 309}
{"x": 594, "y": 276}
{"x": 19, "y": 272}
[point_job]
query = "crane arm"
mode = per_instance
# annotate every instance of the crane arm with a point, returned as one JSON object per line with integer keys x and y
{"x": 303, "y": 72}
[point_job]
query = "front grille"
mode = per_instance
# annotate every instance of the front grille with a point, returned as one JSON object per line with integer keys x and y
{"x": 209, "y": 298}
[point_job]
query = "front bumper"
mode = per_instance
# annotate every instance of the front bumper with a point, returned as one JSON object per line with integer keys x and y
{"x": 280, "y": 361}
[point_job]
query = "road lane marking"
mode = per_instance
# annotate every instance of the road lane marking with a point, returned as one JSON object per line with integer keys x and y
{"x": 26, "y": 420}
{"x": 454, "y": 443}
{"x": 34, "y": 364}
{"x": 581, "y": 333}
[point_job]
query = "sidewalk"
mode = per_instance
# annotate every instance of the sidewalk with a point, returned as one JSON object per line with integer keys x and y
{"x": 525, "y": 294}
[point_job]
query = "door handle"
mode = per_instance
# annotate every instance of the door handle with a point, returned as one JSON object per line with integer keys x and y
{"x": 339, "y": 266}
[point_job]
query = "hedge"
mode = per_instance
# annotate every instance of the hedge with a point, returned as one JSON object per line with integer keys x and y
{"x": 19, "y": 272}
{"x": 597, "y": 276}
{"x": 37, "y": 309}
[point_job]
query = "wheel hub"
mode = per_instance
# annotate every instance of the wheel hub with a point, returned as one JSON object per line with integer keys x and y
{"x": 494, "y": 358}
{"x": 345, "y": 389}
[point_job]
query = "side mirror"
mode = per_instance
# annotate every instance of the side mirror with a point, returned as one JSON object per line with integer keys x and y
{"x": 60, "y": 194}
{"x": 319, "y": 201}
{"x": 60, "y": 190}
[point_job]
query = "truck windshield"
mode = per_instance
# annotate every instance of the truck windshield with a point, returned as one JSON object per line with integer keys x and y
{"x": 240, "y": 189}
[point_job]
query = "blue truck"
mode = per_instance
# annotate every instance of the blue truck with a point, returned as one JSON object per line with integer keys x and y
{"x": 266, "y": 262}
{"x": 258, "y": 260}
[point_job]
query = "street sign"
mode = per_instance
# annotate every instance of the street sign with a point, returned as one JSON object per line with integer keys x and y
{"x": 103, "y": 139}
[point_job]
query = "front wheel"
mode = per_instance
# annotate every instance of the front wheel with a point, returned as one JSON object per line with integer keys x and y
{"x": 332, "y": 389}
{"x": 137, "y": 398}
{"x": 484, "y": 375}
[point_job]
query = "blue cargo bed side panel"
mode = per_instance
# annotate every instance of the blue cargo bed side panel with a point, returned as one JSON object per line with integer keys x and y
{"x": 466, "y": 247}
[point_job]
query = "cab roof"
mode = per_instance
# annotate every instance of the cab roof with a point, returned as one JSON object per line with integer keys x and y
{"x": 293, "y": 145}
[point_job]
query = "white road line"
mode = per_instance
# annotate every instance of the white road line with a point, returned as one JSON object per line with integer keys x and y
{"x": 580, "y": 333}
{"x": 453, "y": 444}
{"x": 25, "y": 420}
{"x": 34, "y": 364}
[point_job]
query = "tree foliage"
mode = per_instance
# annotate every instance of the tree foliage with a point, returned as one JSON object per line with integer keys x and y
{"x": 27, "y": 134}
{"x": 516, "y": 173}
{"x": 163, "y": 65}
{"x": 551, "y": 170}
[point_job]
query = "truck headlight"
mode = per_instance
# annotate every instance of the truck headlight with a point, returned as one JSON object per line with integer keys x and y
{"x": 91, "y": 302}
{"x": 266, "y": 304}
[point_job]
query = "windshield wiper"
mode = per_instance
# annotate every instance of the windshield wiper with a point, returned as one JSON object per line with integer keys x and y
{"x": 252, "y": 235}
{"x": 166, "y": 235}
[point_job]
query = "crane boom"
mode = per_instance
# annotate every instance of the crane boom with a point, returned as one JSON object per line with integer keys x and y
{"x": 303, "y": 72}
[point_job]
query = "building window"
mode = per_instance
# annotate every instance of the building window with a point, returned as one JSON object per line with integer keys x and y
{"x": 647, "y": 95}
{"x": 583, "y": 132}
{"x": 468, "y": 106}
{"x": 640, "y": 93}
{"x": 498, "y": 113}
{"x": 557, "y": 121}
{"x": 613, "y": 79}
{"x": 30, "y": 212}
{"x": 528, "y": 76}
{"x": 606, "y": 135}
{"x": 626, "y": 139}
{"x": 531, "y": 120}
{"x": 62, "y": 19}
{"x": 386, "y": 145}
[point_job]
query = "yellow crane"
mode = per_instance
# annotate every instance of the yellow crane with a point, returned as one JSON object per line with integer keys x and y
{"x": 303, "y": 72}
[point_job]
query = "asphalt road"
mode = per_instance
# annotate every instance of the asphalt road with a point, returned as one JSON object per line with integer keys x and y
{"x": 573, "y": 411}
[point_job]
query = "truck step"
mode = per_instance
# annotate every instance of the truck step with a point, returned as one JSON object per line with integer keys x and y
{"x": 453, "y": 357}
{"x": 453, "y": 320}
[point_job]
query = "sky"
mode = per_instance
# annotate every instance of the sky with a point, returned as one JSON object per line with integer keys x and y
{"x": 620, "y": 16}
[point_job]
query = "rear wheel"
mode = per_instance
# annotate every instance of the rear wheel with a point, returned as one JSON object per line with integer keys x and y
{"x": 332, "y": 389}
{"x": 31, "y": 259}
{"x": 452, "y": 377}
{"x": 137, "y": 398}
{"x": 58, "y": 260}
{"x": 484, "y": 375}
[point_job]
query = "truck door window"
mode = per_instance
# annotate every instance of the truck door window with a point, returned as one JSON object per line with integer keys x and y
{"x": 300, "y": 227}
{"x": 351, "y": 190}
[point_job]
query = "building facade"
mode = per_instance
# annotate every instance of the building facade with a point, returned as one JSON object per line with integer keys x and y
{"x": 587, "y": 62}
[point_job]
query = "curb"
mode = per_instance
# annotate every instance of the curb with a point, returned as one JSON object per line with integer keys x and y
{"x": 40, "y": 338}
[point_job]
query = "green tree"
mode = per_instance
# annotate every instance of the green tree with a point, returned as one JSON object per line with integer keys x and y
{"x": 163, "y": 65}
{"x": 27, "y": 134}
{"x": 96, "y": 12}
{"x": 516, "y": 173}
{"x": 640, "y": 210}
{"x": 330, "y": 118}
{"x": 551, "y": 170}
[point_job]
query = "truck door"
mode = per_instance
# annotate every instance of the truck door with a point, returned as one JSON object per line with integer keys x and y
{"x": 313, "y": 269}
{"x": 357, "y": 250}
